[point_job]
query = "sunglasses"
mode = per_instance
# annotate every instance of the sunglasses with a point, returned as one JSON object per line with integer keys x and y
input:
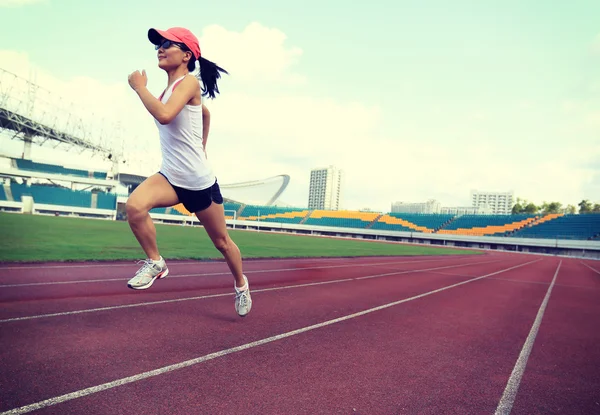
{"x": 166, "y": 44}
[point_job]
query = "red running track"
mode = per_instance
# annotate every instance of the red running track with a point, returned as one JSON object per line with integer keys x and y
{"x": 495, "y": 333}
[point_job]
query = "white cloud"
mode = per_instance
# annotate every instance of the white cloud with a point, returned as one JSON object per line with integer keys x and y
{"x": 254, "y": 55}
{"x": 17, "y": 3}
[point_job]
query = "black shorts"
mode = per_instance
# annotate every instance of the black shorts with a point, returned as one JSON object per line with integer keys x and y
{"x": 197, "y": 200}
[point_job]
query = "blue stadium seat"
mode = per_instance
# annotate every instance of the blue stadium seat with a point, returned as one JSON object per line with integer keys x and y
{"x": 29, "y": 165}
{"x": 273, "y": 214}
{"x": 107, "y": 201}
{"x": 52, "y": 195}
{"x": 580, "y": 227}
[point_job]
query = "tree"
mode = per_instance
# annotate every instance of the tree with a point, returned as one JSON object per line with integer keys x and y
{"x": 585, "y": 206}
{"x": 553, "y": 207}
{"x": 517, "y": 208}
{"x": 596, "y": 208}
{"x": 570, "y": 210}
{"x": 530, "y": 208}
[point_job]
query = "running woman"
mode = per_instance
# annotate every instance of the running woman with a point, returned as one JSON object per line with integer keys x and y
{"x": 185, "y": 175}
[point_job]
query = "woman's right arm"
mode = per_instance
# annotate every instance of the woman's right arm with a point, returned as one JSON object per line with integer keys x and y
{"x": 205, "y": 126}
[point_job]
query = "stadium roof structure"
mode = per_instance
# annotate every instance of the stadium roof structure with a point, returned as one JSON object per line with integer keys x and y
{"x": 264, "y": 192}
{"x": 36, "y": 115}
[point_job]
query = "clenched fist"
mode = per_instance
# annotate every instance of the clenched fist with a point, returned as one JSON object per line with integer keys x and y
{"x": 138, "y": 80}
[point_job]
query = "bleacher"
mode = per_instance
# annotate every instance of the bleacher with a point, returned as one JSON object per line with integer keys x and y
{"x": 48, "y": 197}
{"x": 341, "y": 218}
{"x": 51, "y": 195}
{"x": 487, "y": 225}
{"x": 28, "y": 165}
{"x": 411, "y": 222}
{"x": 273, "y": 214}
{"x": 231, "y": 206}
{"x": 168, "y": 211}
{"x": 106, "y": 201}
{"x": 580, "y": 227}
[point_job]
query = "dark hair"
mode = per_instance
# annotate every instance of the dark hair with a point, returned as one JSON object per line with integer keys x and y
{"x": 209, "y": 73}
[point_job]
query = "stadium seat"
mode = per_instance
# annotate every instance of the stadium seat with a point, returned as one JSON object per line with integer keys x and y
{"x": 273, "y": 214}
{"x": 486, "y": 225}
{"x": 579, "y": 227}
{"x": 29, "y": 165}
{"x": 341, "y": 218}
{"x": 106, "y": 201}
{"x": 411, "y": 222}
{"x": 52, "y": 195}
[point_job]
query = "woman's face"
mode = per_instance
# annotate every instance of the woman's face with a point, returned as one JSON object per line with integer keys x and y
{"x": 170, "y": 55}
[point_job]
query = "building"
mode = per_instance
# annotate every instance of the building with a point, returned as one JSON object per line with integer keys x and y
{"x": 325, "y": 188}
{"x": 465, "y": 210}
{"x": 498, "y": 203}
{"x": 431, "y": 206}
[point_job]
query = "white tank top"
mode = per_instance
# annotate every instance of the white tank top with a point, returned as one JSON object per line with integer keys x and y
{"x": 184, "y": 162}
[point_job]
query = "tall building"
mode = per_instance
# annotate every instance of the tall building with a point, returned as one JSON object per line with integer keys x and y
{"x": 431, "y": 206}
{"x": 498, "y": 203}
{"x": 325, "y": 188}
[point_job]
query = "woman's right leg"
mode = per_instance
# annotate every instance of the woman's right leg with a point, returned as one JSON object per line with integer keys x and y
{"x": 155, "y": 191}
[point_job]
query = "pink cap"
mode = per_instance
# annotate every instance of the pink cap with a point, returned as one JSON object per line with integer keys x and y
{"x": 176, "y": 34}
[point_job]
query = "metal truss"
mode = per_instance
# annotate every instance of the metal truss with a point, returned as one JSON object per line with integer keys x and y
{"x": 34, "y": 114}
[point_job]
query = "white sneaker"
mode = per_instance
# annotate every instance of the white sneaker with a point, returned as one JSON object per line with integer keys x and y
{"x": 150, "y": 271}
{"x": 243, "y": 301}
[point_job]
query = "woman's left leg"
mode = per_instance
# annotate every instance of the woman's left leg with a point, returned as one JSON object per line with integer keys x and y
{"x": 213, "y": 220}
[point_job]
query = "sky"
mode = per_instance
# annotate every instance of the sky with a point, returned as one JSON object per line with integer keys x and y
{"x": 413, "y": 100}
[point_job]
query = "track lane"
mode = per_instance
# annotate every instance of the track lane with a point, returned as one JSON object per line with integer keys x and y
{"x": 23, "y": 301}
{"x": 562, "y": 374}
{"x": 81, "y": 271}
{"x": 126, "y": 338}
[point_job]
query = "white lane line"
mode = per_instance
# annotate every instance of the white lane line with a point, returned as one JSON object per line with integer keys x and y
{"x": 197, "y": 262}
{"x": 175, "y": 300}
{"x": 512, "y": 387}
{"x": 583, "y": 287}
{"x": 127, "y": 264}
{"x": 30, "y": 284}
{"x": 593, "y": 269}
{"x": 165, "y": 369}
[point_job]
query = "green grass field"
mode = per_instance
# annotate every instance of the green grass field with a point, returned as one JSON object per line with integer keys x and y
{"x": 27, "y": 238}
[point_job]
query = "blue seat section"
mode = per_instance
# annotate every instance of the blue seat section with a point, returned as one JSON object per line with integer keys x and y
{"x": 273, "y": 214}
{"x": 29, "y": 165}
{"x": 339, "y": 222}
{"x": 18, "y": 190}
{"x": 481, "y": 221}
{"x": 391, "y": 227}
{"x": 163, "y": 211}
{"x": 431, "y": 221}
{"x": 2, "y": 193}
{"x": 107, "y": 201}
{"x": 252, "y": 210}
{"x": 231, "y": 206}
{"x": 580, "y": 227}
{"x": 99, "y": 175}
{"x": 51, "y": 195}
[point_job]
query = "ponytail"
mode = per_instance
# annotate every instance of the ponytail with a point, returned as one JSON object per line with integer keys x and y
{"x": 209, "y": 74}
